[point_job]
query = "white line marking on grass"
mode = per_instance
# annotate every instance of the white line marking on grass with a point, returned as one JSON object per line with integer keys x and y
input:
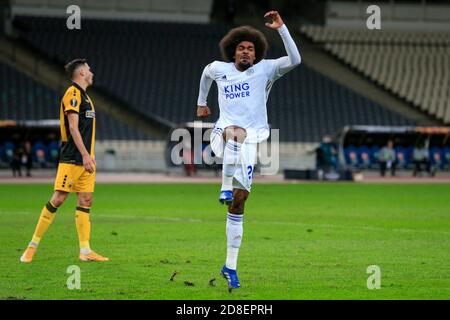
{"x": 334, "y": 226}
{"x": 118, "y": 216}
{"x": 16, "y": 212}
{"x": 149, "y": 218}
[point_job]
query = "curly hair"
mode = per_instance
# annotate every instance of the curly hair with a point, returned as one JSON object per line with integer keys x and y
{"x": 235, "y": 36}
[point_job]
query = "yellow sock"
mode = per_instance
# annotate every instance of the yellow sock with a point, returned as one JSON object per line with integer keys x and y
{"x": 45, "y": 220}
{"x": 83, "y": 228}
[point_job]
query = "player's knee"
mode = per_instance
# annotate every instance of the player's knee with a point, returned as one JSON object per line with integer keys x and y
{"x": 237, "y": 206}
{"x": 241, "y": 195}
{"x": 85, "y": 201}
{"x": 58, "y": 199}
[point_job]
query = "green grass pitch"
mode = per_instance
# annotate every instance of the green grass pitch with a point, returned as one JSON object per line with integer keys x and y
{"x": 301, "y": 241}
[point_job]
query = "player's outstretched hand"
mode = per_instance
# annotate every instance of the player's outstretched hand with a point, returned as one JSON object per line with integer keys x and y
{"x": 276, "y": 20}
{"x": 203, "y": 111}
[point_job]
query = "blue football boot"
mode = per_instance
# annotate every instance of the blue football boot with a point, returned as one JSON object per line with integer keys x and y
{"x": 226, "y": 196}
{"x": 231, "y": 276}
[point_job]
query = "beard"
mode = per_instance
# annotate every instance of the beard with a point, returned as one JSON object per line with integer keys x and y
{"x": 244, "y": 65}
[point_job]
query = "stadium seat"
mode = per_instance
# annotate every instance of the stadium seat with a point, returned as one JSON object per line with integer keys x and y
{"x": 387, "y": 57}
{"x": 304, "y": 104}
{"x": 25, "y": 99}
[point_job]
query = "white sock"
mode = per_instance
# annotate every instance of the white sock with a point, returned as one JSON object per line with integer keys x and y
{"x": 231, "y": 155}
{"x": 234, "y": 233}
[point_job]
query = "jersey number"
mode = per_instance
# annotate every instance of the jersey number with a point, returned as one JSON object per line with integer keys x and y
{"x": 250, "y": 172}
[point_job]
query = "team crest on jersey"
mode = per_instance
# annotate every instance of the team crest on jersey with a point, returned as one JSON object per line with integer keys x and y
{"x": 249, "y": 72}
{"x": 73, "y": 102}
{"x": 90, "y": 114}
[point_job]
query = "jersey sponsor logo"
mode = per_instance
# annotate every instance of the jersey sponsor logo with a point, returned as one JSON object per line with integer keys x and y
{"x": 90, "y": 114}
{"x": 240, "y": 90}
{"x": 73, "y": 102}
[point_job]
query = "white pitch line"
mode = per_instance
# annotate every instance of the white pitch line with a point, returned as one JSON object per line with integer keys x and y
{"x": 18, "y": 212}
{"x": 149, "y": 218}
{"x": 118, "y": 216}
{"x": 332, "y": 226}
{"x": 286, "y": 223}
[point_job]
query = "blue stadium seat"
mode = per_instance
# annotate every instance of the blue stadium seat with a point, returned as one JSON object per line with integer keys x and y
{"x": 351, "y": 156}
{"x": 437, "y": 157}
{"x": 374, "y": 150}
{"x": 364, "y": 160}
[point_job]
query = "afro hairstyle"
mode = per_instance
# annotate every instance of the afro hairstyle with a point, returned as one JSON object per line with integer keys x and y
{"x": 235, "y": 36}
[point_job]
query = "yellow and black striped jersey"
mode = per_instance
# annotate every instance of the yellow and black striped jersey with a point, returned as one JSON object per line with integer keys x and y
{"x": 76, "y": 100}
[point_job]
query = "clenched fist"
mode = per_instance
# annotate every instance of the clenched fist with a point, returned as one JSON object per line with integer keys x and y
{"x": 203, "y": 111}
{"x": 276, "y": 20}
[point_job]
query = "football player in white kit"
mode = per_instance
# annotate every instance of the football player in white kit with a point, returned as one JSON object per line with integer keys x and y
{"x": 244, "y": 82}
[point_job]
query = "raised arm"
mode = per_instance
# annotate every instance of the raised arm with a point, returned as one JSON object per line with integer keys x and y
{"x": 293, "y": 58}
{"x": 205, "y": 85}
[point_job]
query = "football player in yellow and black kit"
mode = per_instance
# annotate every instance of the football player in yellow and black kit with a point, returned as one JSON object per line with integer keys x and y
{"x": 77, "y": 167}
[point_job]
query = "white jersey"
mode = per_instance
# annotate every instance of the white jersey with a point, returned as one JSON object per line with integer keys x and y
{"x": 243, "y": 95}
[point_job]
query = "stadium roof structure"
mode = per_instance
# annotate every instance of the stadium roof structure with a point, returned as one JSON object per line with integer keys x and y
{"x": 30, "y": 123}
{"x": 396, "y": 129}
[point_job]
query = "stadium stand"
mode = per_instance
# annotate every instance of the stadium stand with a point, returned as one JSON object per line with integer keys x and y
{"x": 414, "y": 66}
{"x": 362, "y": 146}
{"x": 163, "y": 79}
{"x": 161, "y": 10}
{"x": 22, "y": 98}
